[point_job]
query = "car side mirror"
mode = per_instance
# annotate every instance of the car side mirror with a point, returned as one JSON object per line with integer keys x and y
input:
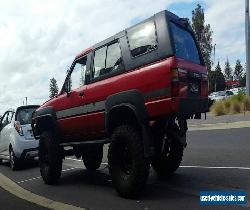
{"x": 66, "y": 88}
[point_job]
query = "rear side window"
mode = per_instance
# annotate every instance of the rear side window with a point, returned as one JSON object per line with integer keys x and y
{"x": 114, "y": 59}
{"x": 24, "y": 116}
{"x": 142, "y": 38}
{"x": 99, "y": 61}
{"x": 185, "y": 46}
{"x": 107, "y": 60}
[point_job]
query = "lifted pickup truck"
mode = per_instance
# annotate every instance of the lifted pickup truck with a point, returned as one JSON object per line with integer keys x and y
{"x": 134, "y": 90}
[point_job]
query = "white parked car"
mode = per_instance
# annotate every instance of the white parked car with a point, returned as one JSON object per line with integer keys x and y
{"x": 220, "y": 95}
{"x": 17, "y": 143}
{"x": 238, "y": 90}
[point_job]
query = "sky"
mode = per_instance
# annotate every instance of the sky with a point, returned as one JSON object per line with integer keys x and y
{"x": 39, "y": 39}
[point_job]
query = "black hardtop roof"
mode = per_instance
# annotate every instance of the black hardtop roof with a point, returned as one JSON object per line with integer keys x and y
{"x": 168, "y": 15}
{"x": 27, "y": 107}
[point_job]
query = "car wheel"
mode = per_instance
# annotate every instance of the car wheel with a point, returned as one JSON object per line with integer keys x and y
{"x": 14, "y": 161}
{"x": 50, "y": 158}
{"x": 127, "y": 165}
{"x": 168, "y": 152}
{"x": 92, "y": 157}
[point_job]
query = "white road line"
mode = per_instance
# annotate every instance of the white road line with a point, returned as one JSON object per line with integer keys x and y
{"x": 205, "y": 167}
{"x": 74, "y": 159}
{"x": 39, "y": 177}
{"x": 217, "y": 167}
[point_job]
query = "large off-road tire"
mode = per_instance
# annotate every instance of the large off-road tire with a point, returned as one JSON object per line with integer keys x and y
{"x": 50, "y": 158}
{"x": 168, "y": 152}
{"x": 127, "y": 165}
{"x": 15, "y": 163}
{"x": 92, "y": 157}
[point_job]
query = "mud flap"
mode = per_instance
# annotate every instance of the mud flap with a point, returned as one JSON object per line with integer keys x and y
{"x": 147, "y": 141}
{"x": 179, "y": 132}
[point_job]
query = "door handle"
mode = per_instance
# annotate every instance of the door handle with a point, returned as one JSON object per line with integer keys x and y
{"x": 81, "y": 94}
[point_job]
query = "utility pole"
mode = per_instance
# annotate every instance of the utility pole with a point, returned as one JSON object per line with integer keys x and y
{"x": 214, "y": 54}
{"x": 247, "y": 26}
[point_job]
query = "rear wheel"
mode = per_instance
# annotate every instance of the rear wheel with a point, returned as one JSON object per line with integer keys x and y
{"x": 127, "y": 165}
{"x": 92, "y": 157}
{"x": 168, "y": 151}
{"x": 50, "y": 158}
{"x": 15, "y": 163}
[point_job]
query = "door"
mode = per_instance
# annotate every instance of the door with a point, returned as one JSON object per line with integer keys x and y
{"x": 5, "y": 132}
{"x": 107, "y": 63}
{"x": 71, "y": 104}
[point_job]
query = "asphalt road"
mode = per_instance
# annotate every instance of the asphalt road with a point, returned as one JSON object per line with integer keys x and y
{"x": 213, "y": 160}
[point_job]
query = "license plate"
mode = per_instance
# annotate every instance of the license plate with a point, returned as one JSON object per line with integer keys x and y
{"x": 194, "y": 87}
{"x": 31, "y": 133}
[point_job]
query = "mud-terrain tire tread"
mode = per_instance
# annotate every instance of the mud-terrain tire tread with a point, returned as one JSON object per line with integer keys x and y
{"x": 133, "y": 184}
{"x": 50, "y": 172}
{"x": 92, "y": 158}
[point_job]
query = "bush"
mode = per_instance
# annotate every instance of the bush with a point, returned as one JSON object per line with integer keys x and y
{"x": 232, "y": 105}
{"x": 235, "y": 107}
{"x": 246, "y": 104}
{"x": 218, "y": 108}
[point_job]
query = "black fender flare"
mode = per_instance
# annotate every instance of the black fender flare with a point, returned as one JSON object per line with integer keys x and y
{"x": 44, "y": 118}
{"x": 133, "y": 100}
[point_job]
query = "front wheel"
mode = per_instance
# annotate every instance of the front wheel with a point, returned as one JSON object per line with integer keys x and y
{"x": 50, "y": 158}
{"x": 127, "y": 165}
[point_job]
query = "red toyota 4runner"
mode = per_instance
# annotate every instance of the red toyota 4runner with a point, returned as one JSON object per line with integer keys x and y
{"x": 134, "y": 90}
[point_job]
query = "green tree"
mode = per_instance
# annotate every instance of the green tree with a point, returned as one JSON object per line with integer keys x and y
{"x": 243, "y": 80}
{"x": 53, "y": 88}
{"x": 228, "y": 70}
{"x": 217, "y": 79}
{"x": 203, "y": 34}
{"x": 238, "y": 70}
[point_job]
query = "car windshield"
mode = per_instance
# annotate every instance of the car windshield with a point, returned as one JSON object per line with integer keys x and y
{"x": 184, "y": 43}
{"x": 221, "y": 93}
{"x": 24, "y": 116}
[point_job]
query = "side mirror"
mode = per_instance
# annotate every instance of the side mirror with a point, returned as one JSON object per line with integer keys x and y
{"x": 66, "y": 88}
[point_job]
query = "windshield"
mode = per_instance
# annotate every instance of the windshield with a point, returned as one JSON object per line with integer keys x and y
{"x": 185, "y": 46}
{"x": 221, "y": 93}
{"x": 24, "y": 116}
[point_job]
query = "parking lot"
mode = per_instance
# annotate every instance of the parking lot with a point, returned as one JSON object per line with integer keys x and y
{"x": 213, "y": 160}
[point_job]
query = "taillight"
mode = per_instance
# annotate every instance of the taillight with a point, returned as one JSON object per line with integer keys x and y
{"x": 179, "y": 78}
{"x": 18, "y": 128}
{"x": 204, "y": 85}
{"x": 204, "y": 77}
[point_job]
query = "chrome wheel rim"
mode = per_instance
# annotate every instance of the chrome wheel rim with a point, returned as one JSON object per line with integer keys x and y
{"x": 12, "y": 163}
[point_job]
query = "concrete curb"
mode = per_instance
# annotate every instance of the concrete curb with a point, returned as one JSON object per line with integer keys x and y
{"x": 13, "y": 188}
{"x": 219, "y": 126}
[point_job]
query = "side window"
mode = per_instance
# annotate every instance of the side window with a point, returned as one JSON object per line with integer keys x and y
{"x": 99, "y": 62}
{"x": 114, "y": 58}
{"x": 142, "y": 38}
{"x": 10, "y": 117}
{"x": 107, "y": 59}
{"x": 5, "y": 119}
{"x": 77, "y": 77}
